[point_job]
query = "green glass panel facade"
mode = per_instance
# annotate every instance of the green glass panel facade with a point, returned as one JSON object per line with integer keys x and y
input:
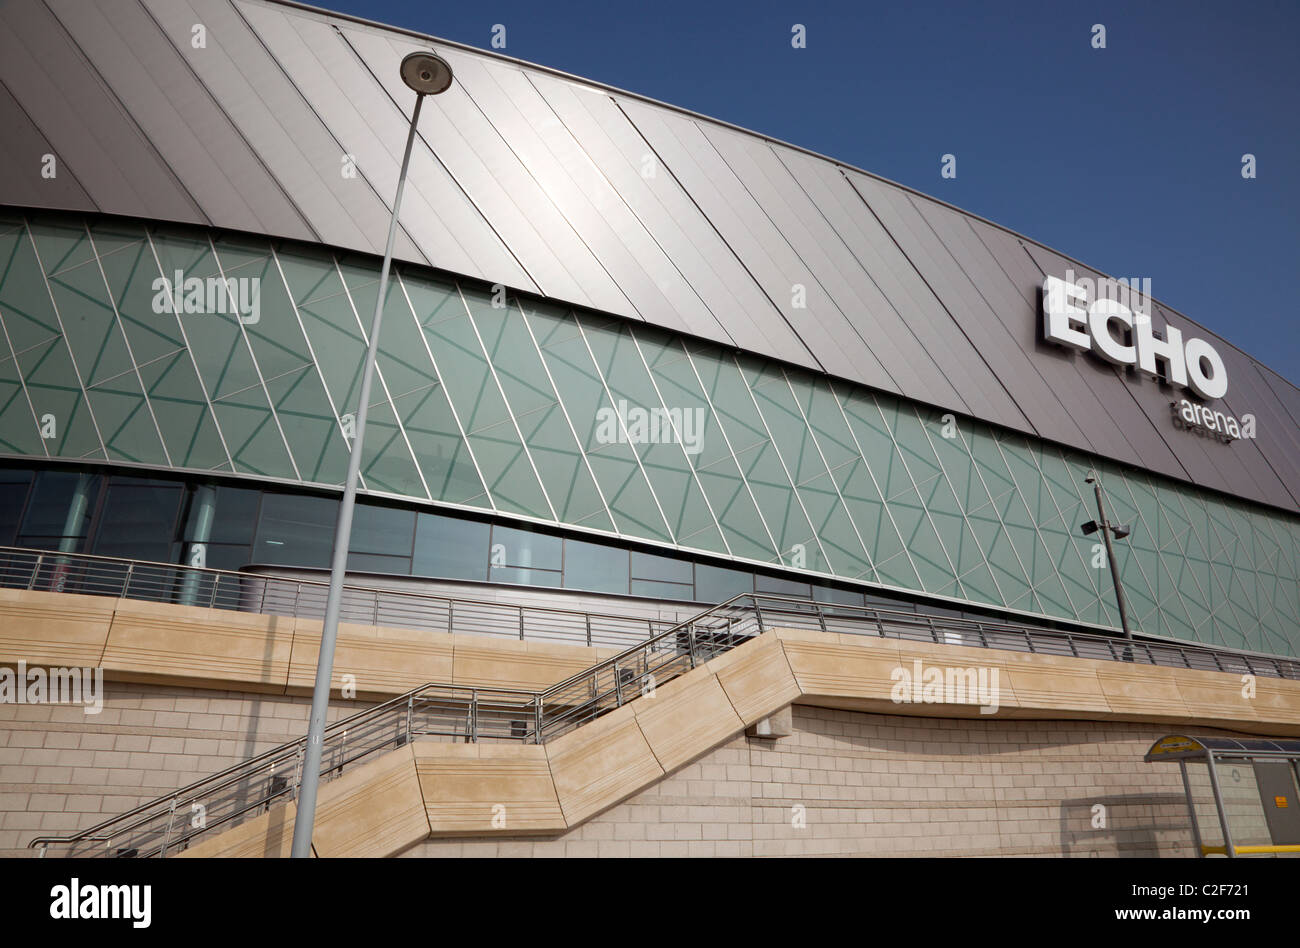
{"x": 526, "y": 409}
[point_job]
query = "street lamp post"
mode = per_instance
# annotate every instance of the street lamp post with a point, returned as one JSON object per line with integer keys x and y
{"x": 425, "y": 74}
{"x": 1120, "y": 531}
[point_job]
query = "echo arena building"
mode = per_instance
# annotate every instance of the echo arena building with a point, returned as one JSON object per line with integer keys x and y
{"x": 691, "y": 456}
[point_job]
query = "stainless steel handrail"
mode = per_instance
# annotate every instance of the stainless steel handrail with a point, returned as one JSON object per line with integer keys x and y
{"x": 275, "y": 595}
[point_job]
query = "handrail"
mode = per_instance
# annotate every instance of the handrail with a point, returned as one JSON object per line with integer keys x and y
{"x": 515, "y": 700}
{"x": 472, "y": 714}
{"x": 278, "y": 595}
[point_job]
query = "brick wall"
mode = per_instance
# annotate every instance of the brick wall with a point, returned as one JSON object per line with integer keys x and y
{"x": 874, "y": 785}
{"x": 62, "y": 770}
{"x": 868, "y": 784}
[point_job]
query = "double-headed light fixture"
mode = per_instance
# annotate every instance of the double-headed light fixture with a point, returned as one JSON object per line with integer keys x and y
{"x": 425, "y": 74}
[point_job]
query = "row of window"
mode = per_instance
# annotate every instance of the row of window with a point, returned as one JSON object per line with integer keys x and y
{"x": 161, "y": 520}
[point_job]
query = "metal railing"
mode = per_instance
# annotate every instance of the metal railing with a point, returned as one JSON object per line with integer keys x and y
{"x": 171, "y": 822}
{"x": 272, "y": 595}
{"x": 168, "y": 823}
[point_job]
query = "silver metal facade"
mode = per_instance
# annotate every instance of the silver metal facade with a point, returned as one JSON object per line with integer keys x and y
{"x": 595, "y": 198}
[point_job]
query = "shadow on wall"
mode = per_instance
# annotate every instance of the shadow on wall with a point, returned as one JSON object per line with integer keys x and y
{"x": 1126, "y": 825}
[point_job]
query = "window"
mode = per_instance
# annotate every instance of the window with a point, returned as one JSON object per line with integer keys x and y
{"x": 52, "y": 498}
{"x": 832, "y": 594}
{"x": 595, "y": 567}
{"x": 715, "y": 584}
{"x": 783, "y": 587}
{"x": 296, "y": 530}
{"x": 511, "y": 547}
{"x": 663, "y": 568}
{"x": 139, "y": 522}
{"x": 450, "y": 548}
{"x": 381, "y": 539}
{"x": 14, "y": 486}
{"x": 657, "y": 590}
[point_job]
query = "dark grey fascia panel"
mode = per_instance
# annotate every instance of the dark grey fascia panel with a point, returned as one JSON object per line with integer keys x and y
{"x": 780, "y": 215}
{"x": 1278, "y": 443}
{"x": 1112, "y": 387}
{"x": 83, "y": 122}
{"x": 1102, "y": 433}
{"x": 1001, "y": 320}
{"x": 970, "y": 320}
{"x": 175, "y": 111}
{"x": 692, "y": 162}
{"x": 914, "y": 372}
{"x": 687, "y": 247}
{"x": 1287, "y": 394}
{"x": 913, "y": 296}
{"x": 436, "y": 214}
{"x": 1275, "y": 448}
{"x": 22, "y": 152}
{"x": 1208, "y": 463}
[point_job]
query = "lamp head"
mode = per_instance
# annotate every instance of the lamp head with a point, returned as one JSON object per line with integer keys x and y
{"x": 426, "y": 73}
{"x": 1089, "y": 528}
{"x": 1122, "y": 530}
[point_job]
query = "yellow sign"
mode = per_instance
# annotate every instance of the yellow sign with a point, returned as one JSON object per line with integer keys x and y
{"x": 1281, "y": 802}
{"x": 1175, "y": 743}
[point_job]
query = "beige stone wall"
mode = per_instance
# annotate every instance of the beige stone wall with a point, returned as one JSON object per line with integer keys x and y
{"x": 62, "y": 770}
{"x": 870, "y": 784}
{"x": 888, "y": 785}
{"x": 859, "y": 776}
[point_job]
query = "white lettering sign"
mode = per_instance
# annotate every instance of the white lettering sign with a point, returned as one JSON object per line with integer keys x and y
{"x": 1118, "y": 328}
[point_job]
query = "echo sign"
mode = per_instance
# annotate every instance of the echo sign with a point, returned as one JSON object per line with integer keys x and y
{"x": 1070, "y": 320}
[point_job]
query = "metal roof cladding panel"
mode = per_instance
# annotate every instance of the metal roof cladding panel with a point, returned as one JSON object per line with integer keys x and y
{"x": 84, "y": 123}
{"x": 371, "y": 128}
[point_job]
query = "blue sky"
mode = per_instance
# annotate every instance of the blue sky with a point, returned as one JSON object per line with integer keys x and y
{"x": 1127, "y": 158}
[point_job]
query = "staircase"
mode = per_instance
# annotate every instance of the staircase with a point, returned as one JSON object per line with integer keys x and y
{"x": 170, "y": 824}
